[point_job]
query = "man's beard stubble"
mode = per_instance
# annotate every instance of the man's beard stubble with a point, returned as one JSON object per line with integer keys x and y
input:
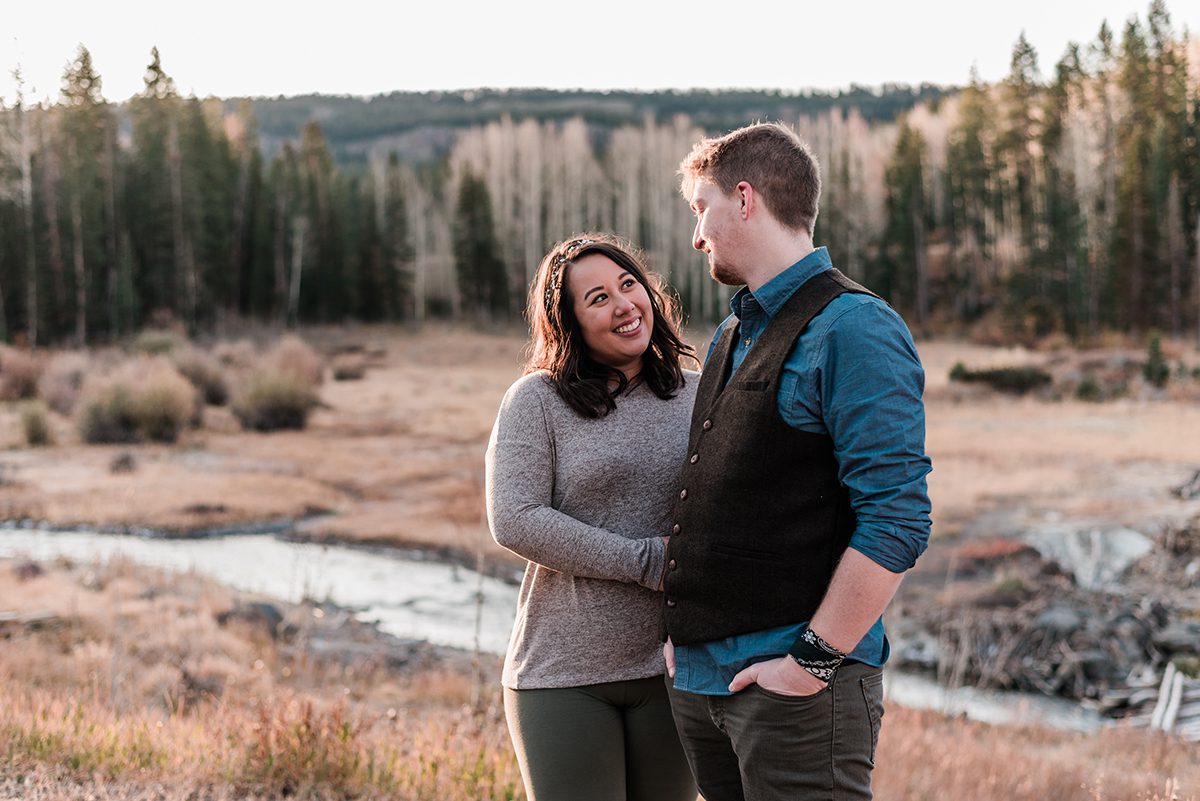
{"x": 724, "y": 273}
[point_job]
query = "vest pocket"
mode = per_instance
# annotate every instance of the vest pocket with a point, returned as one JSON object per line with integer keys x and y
{"x": 750, "y": 386}
{"x": 742, "y": 553}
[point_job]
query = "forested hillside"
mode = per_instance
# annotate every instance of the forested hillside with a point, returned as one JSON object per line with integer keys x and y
{"x": 1062, "y": 200}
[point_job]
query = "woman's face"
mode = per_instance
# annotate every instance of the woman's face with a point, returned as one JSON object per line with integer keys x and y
{"x": 613, "y": 310}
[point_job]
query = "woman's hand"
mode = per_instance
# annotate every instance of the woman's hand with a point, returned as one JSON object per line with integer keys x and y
{"x": 662, "y": 579}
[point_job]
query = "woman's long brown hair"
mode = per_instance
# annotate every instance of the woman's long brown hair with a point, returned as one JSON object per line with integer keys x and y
{"x": 557, "y": 346}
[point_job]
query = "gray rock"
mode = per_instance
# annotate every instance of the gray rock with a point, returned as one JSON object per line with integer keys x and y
{"x": 1061, "y": 620}
{"x": 264, "y": 615}
{"x": 1180, "y": 636}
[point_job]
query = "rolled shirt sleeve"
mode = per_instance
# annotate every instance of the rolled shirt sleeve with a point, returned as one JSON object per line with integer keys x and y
{"x": 869, "y": 384}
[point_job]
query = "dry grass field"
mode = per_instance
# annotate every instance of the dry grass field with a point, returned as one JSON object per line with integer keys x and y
{"x": 133, "y": 690}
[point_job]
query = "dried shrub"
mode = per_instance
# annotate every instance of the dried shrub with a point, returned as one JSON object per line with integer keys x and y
{"x": 296, "y": 746}
{"x": 143, "y": 399}
{"x": 36, "y": 424}
{"x": 158, "y": 342}
{"x": 239, "y": 354}
{"x": 272, "y": 400}
{"x": 164, "y": 403}
{"x": 62, "y": 379}
{"x": 291, "y": 356}
{"x": 1156, "y": 370}
{"x": 106, "y": 413}
{"x": 19, "y": 373}
{"x": 204, "y": 372}
{"x": 1089, "y": 389}
{"x": 1014, "y": 380}
{"x": 349, "y": 367}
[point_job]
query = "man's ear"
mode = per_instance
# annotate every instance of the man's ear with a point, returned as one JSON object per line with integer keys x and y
{"x": 748, "y": 198}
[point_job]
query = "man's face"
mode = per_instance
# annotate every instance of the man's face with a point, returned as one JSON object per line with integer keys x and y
{"x": 718, "y": 230}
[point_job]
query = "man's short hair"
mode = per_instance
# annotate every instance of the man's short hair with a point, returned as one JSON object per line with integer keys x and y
{"x": 769, "y": 156}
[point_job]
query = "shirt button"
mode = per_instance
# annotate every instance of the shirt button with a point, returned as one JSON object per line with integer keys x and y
{"x": 707, "y": 425}
{"x": 672, "y": 565}
{"x": 695, "y": 458}
{"x": 675, "y": 529}
{"x": 671, "y": 602}
{"x": 683, "y": 495}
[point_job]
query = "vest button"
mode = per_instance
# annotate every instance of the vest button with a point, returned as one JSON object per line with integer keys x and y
{"x": 695, "y": 458}
{"x": 672, "y": 565}
{"x": 675, "y": 529}
{"x": 671, "y": 602}
{"x": 707, "y": 425}
{"x": 683, "y": 495}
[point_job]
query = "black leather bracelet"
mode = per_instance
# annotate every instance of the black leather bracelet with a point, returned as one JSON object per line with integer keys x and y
{"x": 815, "y": 655}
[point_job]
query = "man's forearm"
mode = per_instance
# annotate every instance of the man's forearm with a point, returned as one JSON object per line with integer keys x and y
{"x": 858, "y": 593}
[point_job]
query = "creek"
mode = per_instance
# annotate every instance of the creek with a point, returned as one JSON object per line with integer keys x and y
{"x": 416, "y": 598}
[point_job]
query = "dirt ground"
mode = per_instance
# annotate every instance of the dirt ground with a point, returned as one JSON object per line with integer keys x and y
{"x": 397, "y": 457}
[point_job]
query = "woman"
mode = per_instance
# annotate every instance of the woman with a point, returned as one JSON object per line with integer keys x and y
{"x": 582, "y": 465}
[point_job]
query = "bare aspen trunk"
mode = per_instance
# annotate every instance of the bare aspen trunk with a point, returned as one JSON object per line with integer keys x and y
{"x": 1176, "y": 255}
{"x": 281, "y": 282}
{"x": 922, "y": 266}
{"x": 185, "y": 267}
{"x": 239, "y": 224}
{"x": 418, "y": 217}
{"x": 110, "y": 204}
{"x": 1135, "y": 268}
{"x": 77, "y": 250}
{"x": 31, "y": 294}
{"x": 299, "y": 233}
{"x": 58, "y": 271}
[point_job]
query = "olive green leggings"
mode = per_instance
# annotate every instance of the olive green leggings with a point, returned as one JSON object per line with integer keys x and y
{"x": 603, "y": 742}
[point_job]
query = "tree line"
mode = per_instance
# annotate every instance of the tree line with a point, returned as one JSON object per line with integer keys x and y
{"x": 1060, "y": 205}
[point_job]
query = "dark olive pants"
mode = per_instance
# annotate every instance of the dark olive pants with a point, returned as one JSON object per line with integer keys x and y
{"x": 602, "y": 742}
{"x": 762, "y": 746}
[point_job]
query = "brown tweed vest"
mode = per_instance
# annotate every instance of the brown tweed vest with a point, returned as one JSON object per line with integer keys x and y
{"x": 761, "y": 519}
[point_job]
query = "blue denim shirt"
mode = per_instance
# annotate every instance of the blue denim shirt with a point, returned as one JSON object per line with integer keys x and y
{"x": 854, "y": 374}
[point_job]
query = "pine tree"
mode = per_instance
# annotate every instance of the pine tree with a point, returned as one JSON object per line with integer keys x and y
{"x": 1057, "y": 275}
{"x": 149, "y": 196}
{"x": 904, "y": 270}
{"x": 482, "y": 278}
{"x": 969, "y": 173}
{"x": 1018, "y": 171}
{"x": 327, "y": 298}
{"x": 1135, "y": 236}
{"x": 397, "y": 242}
{"x": 86, "y": 131}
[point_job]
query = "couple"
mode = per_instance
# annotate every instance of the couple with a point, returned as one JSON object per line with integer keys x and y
{"x": 760, "y": 516}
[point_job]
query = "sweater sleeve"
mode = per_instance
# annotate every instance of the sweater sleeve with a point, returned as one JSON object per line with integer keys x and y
{"x": 520, "y": 489}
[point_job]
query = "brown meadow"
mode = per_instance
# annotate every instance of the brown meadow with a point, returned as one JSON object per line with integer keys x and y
{"x": 131, "y": 689}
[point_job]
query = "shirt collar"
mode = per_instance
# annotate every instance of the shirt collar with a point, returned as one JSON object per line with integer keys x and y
{"x": 772, "y": 295}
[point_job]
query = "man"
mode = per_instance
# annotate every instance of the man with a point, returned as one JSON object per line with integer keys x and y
{"x": 803, "y": 498}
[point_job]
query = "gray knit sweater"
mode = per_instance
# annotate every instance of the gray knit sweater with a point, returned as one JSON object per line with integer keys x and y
{"x": 586, "y": 502}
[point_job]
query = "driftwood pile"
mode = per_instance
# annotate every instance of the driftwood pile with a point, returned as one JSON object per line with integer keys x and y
{"x": 1062, "y": 642}
{"x": 1018, "y": 622}
{"x": 1170, "y": 705}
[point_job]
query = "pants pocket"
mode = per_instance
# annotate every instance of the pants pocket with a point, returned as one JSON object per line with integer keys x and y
{"x": 872, "y": 690}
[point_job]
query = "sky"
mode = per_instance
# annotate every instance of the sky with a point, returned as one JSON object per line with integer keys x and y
{"x": 270, "y": 48}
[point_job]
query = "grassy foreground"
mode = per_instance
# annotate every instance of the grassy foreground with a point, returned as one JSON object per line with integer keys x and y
{"x": 125, "y": 686}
